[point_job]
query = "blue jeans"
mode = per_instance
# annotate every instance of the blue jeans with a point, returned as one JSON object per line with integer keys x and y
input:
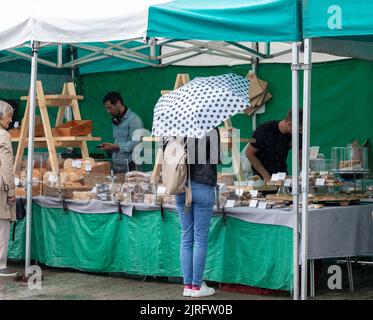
{"x": 195, "y": 226}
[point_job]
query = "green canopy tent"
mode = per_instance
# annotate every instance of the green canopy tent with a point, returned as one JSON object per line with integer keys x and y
{"x": 158, "y": 23}
{"x": 339, "y": 27}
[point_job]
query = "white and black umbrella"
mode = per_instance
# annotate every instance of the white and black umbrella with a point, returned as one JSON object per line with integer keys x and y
{"x": 200, "y": 105}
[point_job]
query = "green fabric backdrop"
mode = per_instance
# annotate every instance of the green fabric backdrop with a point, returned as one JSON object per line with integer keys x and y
{"x": 341, "y": 97}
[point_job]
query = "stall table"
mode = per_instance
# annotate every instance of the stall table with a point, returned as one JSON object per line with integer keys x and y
{"x": 246, "y": 246}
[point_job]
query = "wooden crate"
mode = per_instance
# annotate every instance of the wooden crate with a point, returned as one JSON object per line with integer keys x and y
{"x": 73, "y": 128}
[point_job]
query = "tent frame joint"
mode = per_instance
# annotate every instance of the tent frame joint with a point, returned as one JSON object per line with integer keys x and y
{"x": 301, "y": 66}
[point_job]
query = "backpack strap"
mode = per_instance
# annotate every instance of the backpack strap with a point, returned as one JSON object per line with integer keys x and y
{"x": 188, "y": 192}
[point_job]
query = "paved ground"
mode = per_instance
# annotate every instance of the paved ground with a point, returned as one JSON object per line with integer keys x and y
{"x": 64, "y": 284}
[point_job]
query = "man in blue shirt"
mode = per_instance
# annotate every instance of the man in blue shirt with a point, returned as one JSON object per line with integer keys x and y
{"x": 125, "y": 123}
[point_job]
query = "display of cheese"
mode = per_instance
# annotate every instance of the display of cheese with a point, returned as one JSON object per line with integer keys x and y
{"x": 226, "y": 178}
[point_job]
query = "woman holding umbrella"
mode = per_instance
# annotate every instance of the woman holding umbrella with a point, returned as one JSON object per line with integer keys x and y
{"x": 195, "y": 111}
{"x": 195, "y": 223}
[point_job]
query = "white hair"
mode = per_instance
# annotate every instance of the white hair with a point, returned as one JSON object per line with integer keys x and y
{"x": 5, "y": 109}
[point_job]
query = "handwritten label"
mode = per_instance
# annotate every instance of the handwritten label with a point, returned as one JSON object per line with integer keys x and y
{"x": 229, "y": 204}
{"x": 320, "y": 182}
{"x": 88, "y": 167}
{"x": 287, "y": 183}
{"x": 76, "y": 164}
{"x": 281, "y": 176}
{"x": 253, "y": 203}
{"x": 254, "y": 193}
{"x": 274, "y": 177}
{"x": 161, "y": 190}
{"x": 262, "y": 205}
{"x": 239, "y": 192}
{"x": 53, "y": 178}
{"x": 222, "y": 187}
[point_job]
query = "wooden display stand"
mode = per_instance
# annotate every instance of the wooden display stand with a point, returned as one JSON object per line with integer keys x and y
{"x": 67, "y": 98}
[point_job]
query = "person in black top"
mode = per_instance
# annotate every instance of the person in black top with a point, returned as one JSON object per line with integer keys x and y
{"x": 273, "y": 141}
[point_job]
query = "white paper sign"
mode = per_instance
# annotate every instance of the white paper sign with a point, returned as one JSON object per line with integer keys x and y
{"x": 262, "y": 205}
{"x": 254, "y": 193}
{"x": 229, "y": 204}
{"x": 52, "y": 178}
{"x": 281, "y": 176}
{"x": 88, "y": 167}
{"x": 76, "y": 164}
{"x": 16, "y": 181}
{"x": 222, "y": 187}
{"x": 253, "y": 203}
{"x": 239, "y": 192}
{"x": 161, "y": 190}
{"x": 287, "y": 183}
{"x": 16, "y": 125}
{"x": 320, "y": 182}
{"x": 274, "y": 177}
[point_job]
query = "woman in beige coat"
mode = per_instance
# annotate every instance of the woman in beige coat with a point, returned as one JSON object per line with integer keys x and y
{"x": 7, "y": 188}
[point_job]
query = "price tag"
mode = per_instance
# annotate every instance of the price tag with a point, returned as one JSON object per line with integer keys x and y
{"x": 253, "y": 203}
{"x": 88, "y": 167}
{"x": 262, "y": 205}
{"x": 76, "y": 164}
{"x": 161, "y": 190}
{"x": 254, "y": 193}
{"x": 287, "y": 183}
{"x": 274, "y": 177}
{"x": 281, "y": 176}
{"x": 16, "y": 181}
{"x": 16, "y": 125}
{"x": 239, "y": 192}
{"x": 53, "y": 179}
{"x": 222, "y": 187}
{"x": 320, "y": 182}
{"x": 229, "y": 204}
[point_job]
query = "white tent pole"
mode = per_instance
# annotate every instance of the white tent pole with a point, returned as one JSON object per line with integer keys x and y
{"x": 295, "y": 165}
{"x": 30, "y": 158}
{"x": 305, "y": 160}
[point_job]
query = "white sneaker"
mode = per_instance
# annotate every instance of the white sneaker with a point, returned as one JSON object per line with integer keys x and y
{"x": 187, "y": 292}
{"x": 204, "y": 291}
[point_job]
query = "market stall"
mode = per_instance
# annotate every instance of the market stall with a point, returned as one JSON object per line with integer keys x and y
{"x": 341, "y": 21}
{"x": 258, "y": 22}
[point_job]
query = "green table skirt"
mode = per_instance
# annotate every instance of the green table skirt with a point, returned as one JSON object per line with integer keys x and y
{"x": 147, "y": 243}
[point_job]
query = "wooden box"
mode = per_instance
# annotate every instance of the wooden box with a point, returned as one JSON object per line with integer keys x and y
{"x": 73, "y": 128}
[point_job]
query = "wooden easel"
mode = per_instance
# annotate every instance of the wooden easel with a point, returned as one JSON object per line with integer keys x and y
{"x": 68, "y": 97}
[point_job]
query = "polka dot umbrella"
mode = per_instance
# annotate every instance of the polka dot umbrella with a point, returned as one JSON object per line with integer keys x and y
{"x": 200, "y": 105}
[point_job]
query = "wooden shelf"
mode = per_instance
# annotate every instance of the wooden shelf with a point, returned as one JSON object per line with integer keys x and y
{"x": 58, "y": 100}
{"x": 75, "y": 138}
{"x": 68, "y": 98}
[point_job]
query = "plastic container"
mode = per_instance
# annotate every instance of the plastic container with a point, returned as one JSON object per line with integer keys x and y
{"x": 350, "y": 159}
{"x": 320, "y": 165}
